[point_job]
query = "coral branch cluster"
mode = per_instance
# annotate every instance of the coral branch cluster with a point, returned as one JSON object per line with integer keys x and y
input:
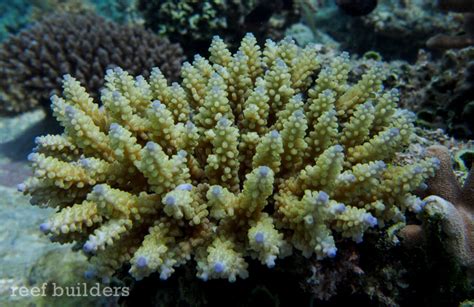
{"x": 254, "y": 154}
{"x": 33, "y": 62}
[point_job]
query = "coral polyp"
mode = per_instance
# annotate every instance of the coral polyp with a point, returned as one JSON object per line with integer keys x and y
{"x": 256, "y": 154}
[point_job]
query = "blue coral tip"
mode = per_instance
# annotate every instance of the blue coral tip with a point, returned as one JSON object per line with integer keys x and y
{"x": 89, "y": 274}
{"x": 371, "y": 220}
{"x": 338, "y": 148}
{"x": 21, "y": 187}
{"x": 184, "y": 187}
{"x": 298, "y": 114}
{"x": 170, "y": 201}
{"x": 274, "y": 134}
{"x": 332, "y": 252}
{"x": 216, "y": 191}
{"x": 157, "y": 105}
{"x": 260, "y": 90}
{"x": 394, "y": 132}
{"x": 219, "y": 267}
{"x": 44, "y": 227}
{"x": 88, "y": 247}
{"x": 142, "y": 262}
{"x": 182, "y": 153}
{"x": 116, "y": 95}
{"x": 418, "y": 170}
{"x": 339, "y": 208}
{"x": 264, "y": 171}
{"x": 190, "y": 125}
{"x": 32, "y": 157}
{"x": 323, "y": 197}
{"x": 99, "y": 189}
{"x": 114, "y": 127}
{"x": 223, "y": 121}
{"x": 298, "y": 97}
{"x": 151, "y": 146}
{"x": 259, "y": 237}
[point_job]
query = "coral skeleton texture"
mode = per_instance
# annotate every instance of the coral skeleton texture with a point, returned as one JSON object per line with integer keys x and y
{"x": 254, "y": 154}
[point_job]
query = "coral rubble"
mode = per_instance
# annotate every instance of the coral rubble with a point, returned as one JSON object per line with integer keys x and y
{"x": 254, "y": 154}
{"x": 440, "y": 90}
{"x": 390, "y": 25}
{"x": 33, "y": 62}
{"x": 194, "y": 23}
{"x": 445, "y": 41}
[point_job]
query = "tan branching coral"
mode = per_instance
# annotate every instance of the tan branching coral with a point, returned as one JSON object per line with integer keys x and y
{"x": 253, "y": 154}
{"x": 33, "y": 62}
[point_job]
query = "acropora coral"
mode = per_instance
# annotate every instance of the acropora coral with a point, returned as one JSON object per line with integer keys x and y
{"x": 253, "y": 155}
{"x": 33, "y": 62}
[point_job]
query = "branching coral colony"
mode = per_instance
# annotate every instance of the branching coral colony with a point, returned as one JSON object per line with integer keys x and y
{"x": 252, "y": 155}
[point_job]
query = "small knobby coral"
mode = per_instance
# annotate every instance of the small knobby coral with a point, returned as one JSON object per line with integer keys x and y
{"x": 33, "y": 62}
{"x": 253, "y": 154}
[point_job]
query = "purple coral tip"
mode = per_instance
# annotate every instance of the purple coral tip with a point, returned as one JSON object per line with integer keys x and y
{"x": 418, "y": 170}
{"x": 224, "y": 122}
{"x": 142, "y": 262}
{"x": 216, "y": 191}
{"x": 90, "y": 274}
{"x": 264, "y": 171}
{"x": 184, "y": 187}
{"x": 44, "y": 227}
{"x": 151, "y": 146}
{"x": 170, "y": 201}
{"x": 339, "y": 208}
{"x": 219, "y": 267}
{"x": 338, "y": 148}
{"x": 99, "y": 189}
{"x": 114, "y": 127}
{"x": 298, "y": 98}
{"x": 32, "y": 157}
{"x": 21, "y": 187}
{"x": 323, "y": 198}
{"x": 116, "y": 95}
{"x": 274, "y": 134}
{"x": 88, "y": 247}
{"x": 331, "y": 252}
{"x": 370, "y": 220}
{"x": 157, "y": 105}
{"x": 393, "y": 132}
{"x": 298, "y": 114}
{"x": 259, "y": 237}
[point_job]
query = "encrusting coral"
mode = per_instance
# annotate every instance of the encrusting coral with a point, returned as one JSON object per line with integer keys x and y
{"x": 253, "y": 154}
{"x": 33, "y": 62}
{"x": 453, "y": 206}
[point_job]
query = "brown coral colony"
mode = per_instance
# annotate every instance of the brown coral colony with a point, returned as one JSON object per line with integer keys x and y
{"x": 33, "y": 62}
